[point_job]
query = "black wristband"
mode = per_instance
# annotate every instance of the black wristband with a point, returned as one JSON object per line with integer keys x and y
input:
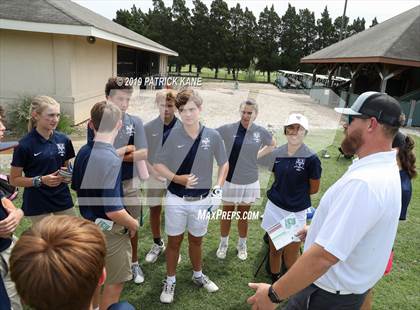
{"x": 274, "y": 297}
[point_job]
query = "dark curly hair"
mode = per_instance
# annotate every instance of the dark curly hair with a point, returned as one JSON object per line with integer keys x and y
{"x": 406, "y": 156}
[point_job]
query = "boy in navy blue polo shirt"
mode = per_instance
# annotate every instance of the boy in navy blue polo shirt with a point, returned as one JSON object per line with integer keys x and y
{"x": 187, "y": 160}
{"x": 10, "y": 217}
{"x": 131, "y": 145}
{"x": 97, "y": 181}
{"x": 157, "y": 133}
{"x": 297, "y": 173}
{"x": 40, "y": 155}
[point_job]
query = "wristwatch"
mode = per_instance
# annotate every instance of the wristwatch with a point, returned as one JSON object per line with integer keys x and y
{"x": 274, "y": 297}
{"x": 37, "y": 181}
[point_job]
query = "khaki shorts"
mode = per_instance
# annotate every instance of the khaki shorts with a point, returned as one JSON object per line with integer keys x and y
{"x": 131, "y": 197}
{"x": 118, "y": 255}
{"x": 37, "y": 218}
{"x": 155, "y": 192}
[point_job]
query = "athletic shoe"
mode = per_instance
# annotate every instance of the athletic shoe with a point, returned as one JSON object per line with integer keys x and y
{"x": 168, "y": 292}
{"x": 222, "y": 250}
{"x": 205, "y": 282}
{"x": 242, "y": 253}
{"x": 138, "y": 275}
{"x": 154, "y": 252}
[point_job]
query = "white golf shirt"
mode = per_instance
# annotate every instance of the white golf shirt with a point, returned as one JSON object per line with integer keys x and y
{"x": 357, "y": 221}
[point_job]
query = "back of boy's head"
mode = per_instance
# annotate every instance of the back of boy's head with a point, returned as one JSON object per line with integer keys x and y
{"x": 186, "y": 95}
{"x": 105, "y": 116}
{"x": 117, "y": 83}
{"x": 58, "y": 262}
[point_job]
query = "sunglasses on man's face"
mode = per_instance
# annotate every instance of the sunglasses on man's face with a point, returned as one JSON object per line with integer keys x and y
{"x": 351, "y": 118}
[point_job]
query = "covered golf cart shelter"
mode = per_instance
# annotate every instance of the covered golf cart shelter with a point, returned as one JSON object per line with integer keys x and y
{"x": 383, "y": 58}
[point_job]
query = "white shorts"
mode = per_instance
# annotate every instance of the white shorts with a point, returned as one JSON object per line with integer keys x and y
{"x": 274, "y": 214}
{"x": 241, "y": 193}
{"x": 181, "y": 215}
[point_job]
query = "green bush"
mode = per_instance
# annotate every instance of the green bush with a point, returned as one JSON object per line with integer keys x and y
{"x": 19, "y": 115}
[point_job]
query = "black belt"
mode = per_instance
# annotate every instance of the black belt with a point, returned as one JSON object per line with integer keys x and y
{"x": 194, "y": 198}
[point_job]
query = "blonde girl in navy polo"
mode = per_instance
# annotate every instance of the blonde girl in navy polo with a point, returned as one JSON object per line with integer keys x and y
{"x": 40, "y": 155}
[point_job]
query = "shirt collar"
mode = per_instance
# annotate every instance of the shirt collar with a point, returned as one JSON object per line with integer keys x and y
{"x": 389, "y": 157}
{"x": 187, "y": 135}
{"x": 41, "y": 139}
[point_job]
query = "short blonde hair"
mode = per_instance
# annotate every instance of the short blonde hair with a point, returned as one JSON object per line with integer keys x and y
{"x": 38, "y": 105}
{"x": 58, "y": 262}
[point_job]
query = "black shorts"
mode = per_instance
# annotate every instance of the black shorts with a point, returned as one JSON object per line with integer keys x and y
{"x": 315, "y": 298}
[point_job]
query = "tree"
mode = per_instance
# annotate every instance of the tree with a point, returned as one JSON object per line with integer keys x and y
{"x": 325, "y": 30}
{"x": 250, "y": 38}
{"x": 268, "y": 30}
{"x": 158, "y": 24}
{"x": 291, "y": 43}
{"x": 181, "y": 33}
{"x": 337, "y": 28}
{"x": 307, "y": 31}
{"x": 357, "y": 26}
{"x": 374, "y": 22}
{"x": 219, "y": 34}
{"x": 200, "y": 21}
{"x": 235, "y": 49}
{"x": 124, "y": 18}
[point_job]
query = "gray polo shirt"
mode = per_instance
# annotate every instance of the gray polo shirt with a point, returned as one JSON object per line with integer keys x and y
{"x": 131, "y": 133}
{"x": 157, "y": 133}
{"x": 176, "y": 149}
{"x": 243, "y": 145}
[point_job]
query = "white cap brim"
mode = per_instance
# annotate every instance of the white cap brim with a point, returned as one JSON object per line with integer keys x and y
{"x": 346, "y": 111}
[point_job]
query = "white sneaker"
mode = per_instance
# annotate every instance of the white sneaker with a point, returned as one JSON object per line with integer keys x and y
{"x": 168, "y": 292}
{"x": 154, "y": 252}
{"x": 138, "y": 275}
{"x": 205, "y": 282}
{"x": 242, "y": 253}
{"x": 222, "y": 250}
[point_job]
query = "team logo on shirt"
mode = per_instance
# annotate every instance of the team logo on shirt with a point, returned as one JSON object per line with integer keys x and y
{"x": 205, "y": 143}
{"x": 300, "y": 164}
{"x": 129, "y": 129}
{"x": 256, "y": 137}
{"x": 61, "y": 149}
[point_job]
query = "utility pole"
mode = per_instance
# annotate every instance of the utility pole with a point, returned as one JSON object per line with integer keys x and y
{"x": 343, "y": 18}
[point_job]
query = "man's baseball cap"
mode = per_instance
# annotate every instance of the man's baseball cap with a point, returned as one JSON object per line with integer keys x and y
{"x": 383, "y": 107}
{"x": 297, "y": 118}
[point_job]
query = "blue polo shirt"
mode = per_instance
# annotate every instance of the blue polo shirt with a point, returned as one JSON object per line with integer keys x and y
{"x": 157, "y": 133}
{"x": 406, "y": 191}
{"x": 243, "y": 145}
{"x": 4, "y": 298}
{"x": 290, "y": 190}
{"x": 4, "y": 242}
{"x": 39, "y": 157}
{"x": 131, "y": 133}
{"x": 184, "y": 155}
{"x": 97, "y": 180}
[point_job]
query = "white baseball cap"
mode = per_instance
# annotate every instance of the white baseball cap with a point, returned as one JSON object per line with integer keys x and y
{"x": 297, "y": 118}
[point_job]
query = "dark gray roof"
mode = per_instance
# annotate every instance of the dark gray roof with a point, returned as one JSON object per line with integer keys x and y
{"x": 66, "y": 12}
{"x": 396, "y": 38}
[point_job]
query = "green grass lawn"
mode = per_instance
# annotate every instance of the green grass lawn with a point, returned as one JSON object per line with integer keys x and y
{"x": 395, "y": 291}
{"x": 207, "y": 73}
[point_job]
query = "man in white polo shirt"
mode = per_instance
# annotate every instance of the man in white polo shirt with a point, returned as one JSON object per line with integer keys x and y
{"x": 352, "y": 233}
